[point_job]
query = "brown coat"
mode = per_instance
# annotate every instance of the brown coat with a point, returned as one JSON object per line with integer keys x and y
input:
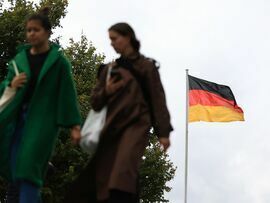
{"x": 125, "y": 135}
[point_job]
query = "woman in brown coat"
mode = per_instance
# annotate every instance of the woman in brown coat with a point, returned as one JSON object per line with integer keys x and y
{"x": 136, "y": 101}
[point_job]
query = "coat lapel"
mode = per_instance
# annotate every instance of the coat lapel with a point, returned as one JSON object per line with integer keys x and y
{"x": 22, "y": 62}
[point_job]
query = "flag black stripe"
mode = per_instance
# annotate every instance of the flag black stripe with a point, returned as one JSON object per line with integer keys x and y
{"x": 221, "y": 90}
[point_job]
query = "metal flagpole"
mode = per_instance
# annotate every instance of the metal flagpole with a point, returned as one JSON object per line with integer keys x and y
{"x": 187, "y": 113}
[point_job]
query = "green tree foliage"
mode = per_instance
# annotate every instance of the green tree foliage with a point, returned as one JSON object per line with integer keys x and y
{"x": 85, "y": 62}
{"x": 156, "y": 170}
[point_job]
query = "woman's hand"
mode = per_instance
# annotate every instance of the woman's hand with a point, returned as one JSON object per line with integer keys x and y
{"x": 165, "y": 143}
{"x": 113, "y": 86}
{"x": 76, "y": 135}
{"x": 18, "y": 81}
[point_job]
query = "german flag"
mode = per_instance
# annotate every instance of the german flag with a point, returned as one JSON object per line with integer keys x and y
{"x": 212, "y": 102}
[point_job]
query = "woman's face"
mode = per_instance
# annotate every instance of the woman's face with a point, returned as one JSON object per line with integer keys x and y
{"x": 119, "y": 42}
{"x": 36, "y": 35}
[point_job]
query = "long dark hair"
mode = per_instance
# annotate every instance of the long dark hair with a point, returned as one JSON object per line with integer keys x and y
{"x": 43, "y": 17}
{"x": 125, "y": 29}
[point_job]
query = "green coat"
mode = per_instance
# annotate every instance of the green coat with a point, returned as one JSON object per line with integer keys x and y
{"x": 53, "y": 105}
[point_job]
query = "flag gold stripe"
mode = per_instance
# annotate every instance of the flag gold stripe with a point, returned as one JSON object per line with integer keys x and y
{"x": 214, "y": 114}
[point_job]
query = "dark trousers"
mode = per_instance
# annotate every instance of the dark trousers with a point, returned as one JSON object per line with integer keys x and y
{"x": 83, "y": 190}
{"x": 20, "y": 190}
{"x": 117, "y": 196}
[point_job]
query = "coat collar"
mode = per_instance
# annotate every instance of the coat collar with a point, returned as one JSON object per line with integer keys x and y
{"x": 132, "y": 57}
{"x": 22, "y": 61}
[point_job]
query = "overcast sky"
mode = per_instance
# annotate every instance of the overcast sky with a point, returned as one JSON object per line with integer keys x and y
{"x": 227, "y": 42}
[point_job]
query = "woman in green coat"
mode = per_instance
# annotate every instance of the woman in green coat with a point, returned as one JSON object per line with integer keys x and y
{"x": 45, "y": 100}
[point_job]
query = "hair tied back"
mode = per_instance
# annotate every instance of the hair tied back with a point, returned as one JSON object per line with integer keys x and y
{"x": 45, "y": 11}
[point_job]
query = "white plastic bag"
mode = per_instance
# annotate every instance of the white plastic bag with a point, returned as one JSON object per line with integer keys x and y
{"x": 91, "y": 130}
{"x": 93, "y": 126}
{"x": 9, "y": 93}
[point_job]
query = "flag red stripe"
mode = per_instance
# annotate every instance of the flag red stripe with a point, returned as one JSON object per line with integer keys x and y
{"x": 206, "y": 98}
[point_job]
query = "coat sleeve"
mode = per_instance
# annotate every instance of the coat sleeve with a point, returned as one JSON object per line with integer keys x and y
{"x": 68, "y": 113}
{"x": 158, "y": 106}
{"x": 98, "y": 96}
